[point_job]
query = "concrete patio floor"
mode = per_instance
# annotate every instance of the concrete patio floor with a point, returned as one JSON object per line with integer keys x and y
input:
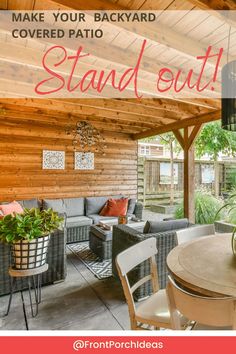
{"x": 81, "y": 302}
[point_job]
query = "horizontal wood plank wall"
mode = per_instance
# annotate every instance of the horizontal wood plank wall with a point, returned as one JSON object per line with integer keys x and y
{"x": 22, "y": 176}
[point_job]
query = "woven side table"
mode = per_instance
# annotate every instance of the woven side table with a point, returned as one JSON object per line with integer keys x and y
{"x": 34, "y": 277}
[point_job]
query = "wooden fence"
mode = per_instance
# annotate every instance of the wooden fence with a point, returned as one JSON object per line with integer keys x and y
{"x": 151, "y": 188}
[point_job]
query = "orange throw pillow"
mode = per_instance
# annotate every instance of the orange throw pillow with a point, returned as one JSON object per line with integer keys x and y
{"x": 14, "y": 207}
{"x": 104, "y": 209}
{"x": 115, "y": 207}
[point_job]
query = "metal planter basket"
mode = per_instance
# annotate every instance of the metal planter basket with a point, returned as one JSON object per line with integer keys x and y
{"x": 28, "y": 255}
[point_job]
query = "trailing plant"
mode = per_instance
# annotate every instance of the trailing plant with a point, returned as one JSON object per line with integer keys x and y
{"x": 206, "y": 208}
{"x": 31, "y": 224}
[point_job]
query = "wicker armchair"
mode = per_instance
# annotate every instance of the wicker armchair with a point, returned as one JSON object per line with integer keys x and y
{"x": 125, "y": 237}
{"x": 56, "y": 260}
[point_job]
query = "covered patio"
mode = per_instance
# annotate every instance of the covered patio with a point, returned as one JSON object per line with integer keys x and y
{"x": 32, "y": 125}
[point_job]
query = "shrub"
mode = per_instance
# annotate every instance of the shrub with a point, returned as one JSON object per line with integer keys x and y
{"x": 206, "y": 208}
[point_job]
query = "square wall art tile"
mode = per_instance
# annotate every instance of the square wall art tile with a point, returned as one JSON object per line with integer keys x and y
{"x": 84, "y": 161}
{"x": 53, "y": 160}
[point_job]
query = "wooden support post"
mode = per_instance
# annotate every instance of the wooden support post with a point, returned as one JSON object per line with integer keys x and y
{"x": 144, "y": 181}
{"x": 217, "y": 179}
{"x": 187, "y": 143}
{"x": 189, "y": 210}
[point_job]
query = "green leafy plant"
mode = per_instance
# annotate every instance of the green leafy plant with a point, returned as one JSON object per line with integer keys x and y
{"x": 31, "y": 224}
{"x": 212, "y": 141}
{"x": 206, "y": 208}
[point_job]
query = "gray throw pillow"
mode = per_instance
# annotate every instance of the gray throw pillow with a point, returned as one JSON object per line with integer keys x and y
{"x": 74, "y": 206}
{"x": 30, "y": 203}
{"x": 162, "y": 226}
{"x": 55, "y": 204}
{"x": 93, "y": 205}
{"x": 131, "y": 206}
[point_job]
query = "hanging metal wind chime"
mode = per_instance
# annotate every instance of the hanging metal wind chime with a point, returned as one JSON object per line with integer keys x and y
{"x": 87, "y": 137}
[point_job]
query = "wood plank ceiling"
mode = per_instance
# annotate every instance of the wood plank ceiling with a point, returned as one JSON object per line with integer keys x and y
{"x": 136, "y": 118}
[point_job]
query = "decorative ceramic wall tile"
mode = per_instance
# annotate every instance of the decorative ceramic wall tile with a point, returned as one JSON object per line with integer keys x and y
{"x": 84, "y": 161}
{"x": 53, "y": 160}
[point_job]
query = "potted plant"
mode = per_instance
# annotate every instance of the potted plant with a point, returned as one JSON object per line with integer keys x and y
{"x": 230, "y": 219}
{"x": 28, "y": 234}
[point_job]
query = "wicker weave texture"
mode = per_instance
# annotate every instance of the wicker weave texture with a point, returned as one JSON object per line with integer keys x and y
{"x": 125, "y": 237}
{"x": 78, "y": 233}
{"x": 103, "y": 249}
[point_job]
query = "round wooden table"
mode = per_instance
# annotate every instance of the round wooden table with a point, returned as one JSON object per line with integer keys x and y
{"x": 206, "y": 265}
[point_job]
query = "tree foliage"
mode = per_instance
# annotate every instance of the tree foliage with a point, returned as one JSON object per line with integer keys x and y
{"x": 167, "y": 139}
{"x": 213, "y": 140}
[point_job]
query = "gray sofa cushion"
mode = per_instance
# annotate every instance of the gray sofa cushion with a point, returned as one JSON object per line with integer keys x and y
{"x": 95, "y": 204}
{"x": 96, "y": 218}
{"x": 131, "y": 206}
{"x": 68, "y": 206}
{"x": 74, "y": 206}
{"x": 55, "y": 204}
{"x": 162, "y": 226}
{"x": 30, "y": 203}
{"x": 75, "y": 221}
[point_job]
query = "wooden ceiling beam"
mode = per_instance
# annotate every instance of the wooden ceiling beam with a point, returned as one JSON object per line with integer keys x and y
{"x": 89, "y": 5}
{"x": 116, "y": 56}
{"x": 179, "y": 137}
{"x": 3, "y": 4}
{"x": 187, "y": 106}
{"x": 163, "y": 35}
{"x": 79, "y": 110}
{"x": 123, "y": 106}
{"x": 31, "y": 57}
{"x": 58, "y": 117}
{"x": 20, "y": 120}
{"x": 210, "y": 103}
{"x": 223, "y": 9}
{"x": 35, "y": 72}
{"x": 203, "y": 118}
{"x": 160, "y": 33}
{"x": 215, "y": 4}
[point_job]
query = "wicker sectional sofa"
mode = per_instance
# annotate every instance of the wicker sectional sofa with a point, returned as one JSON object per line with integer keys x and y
{"x": 165, "y": 234}
{"x": 81, "y": 213}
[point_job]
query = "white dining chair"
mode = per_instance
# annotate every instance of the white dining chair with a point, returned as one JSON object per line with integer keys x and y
{"x": 153, "y": 311}
{"x": 209, "y": 311}
{"x": 191, "y": 233}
